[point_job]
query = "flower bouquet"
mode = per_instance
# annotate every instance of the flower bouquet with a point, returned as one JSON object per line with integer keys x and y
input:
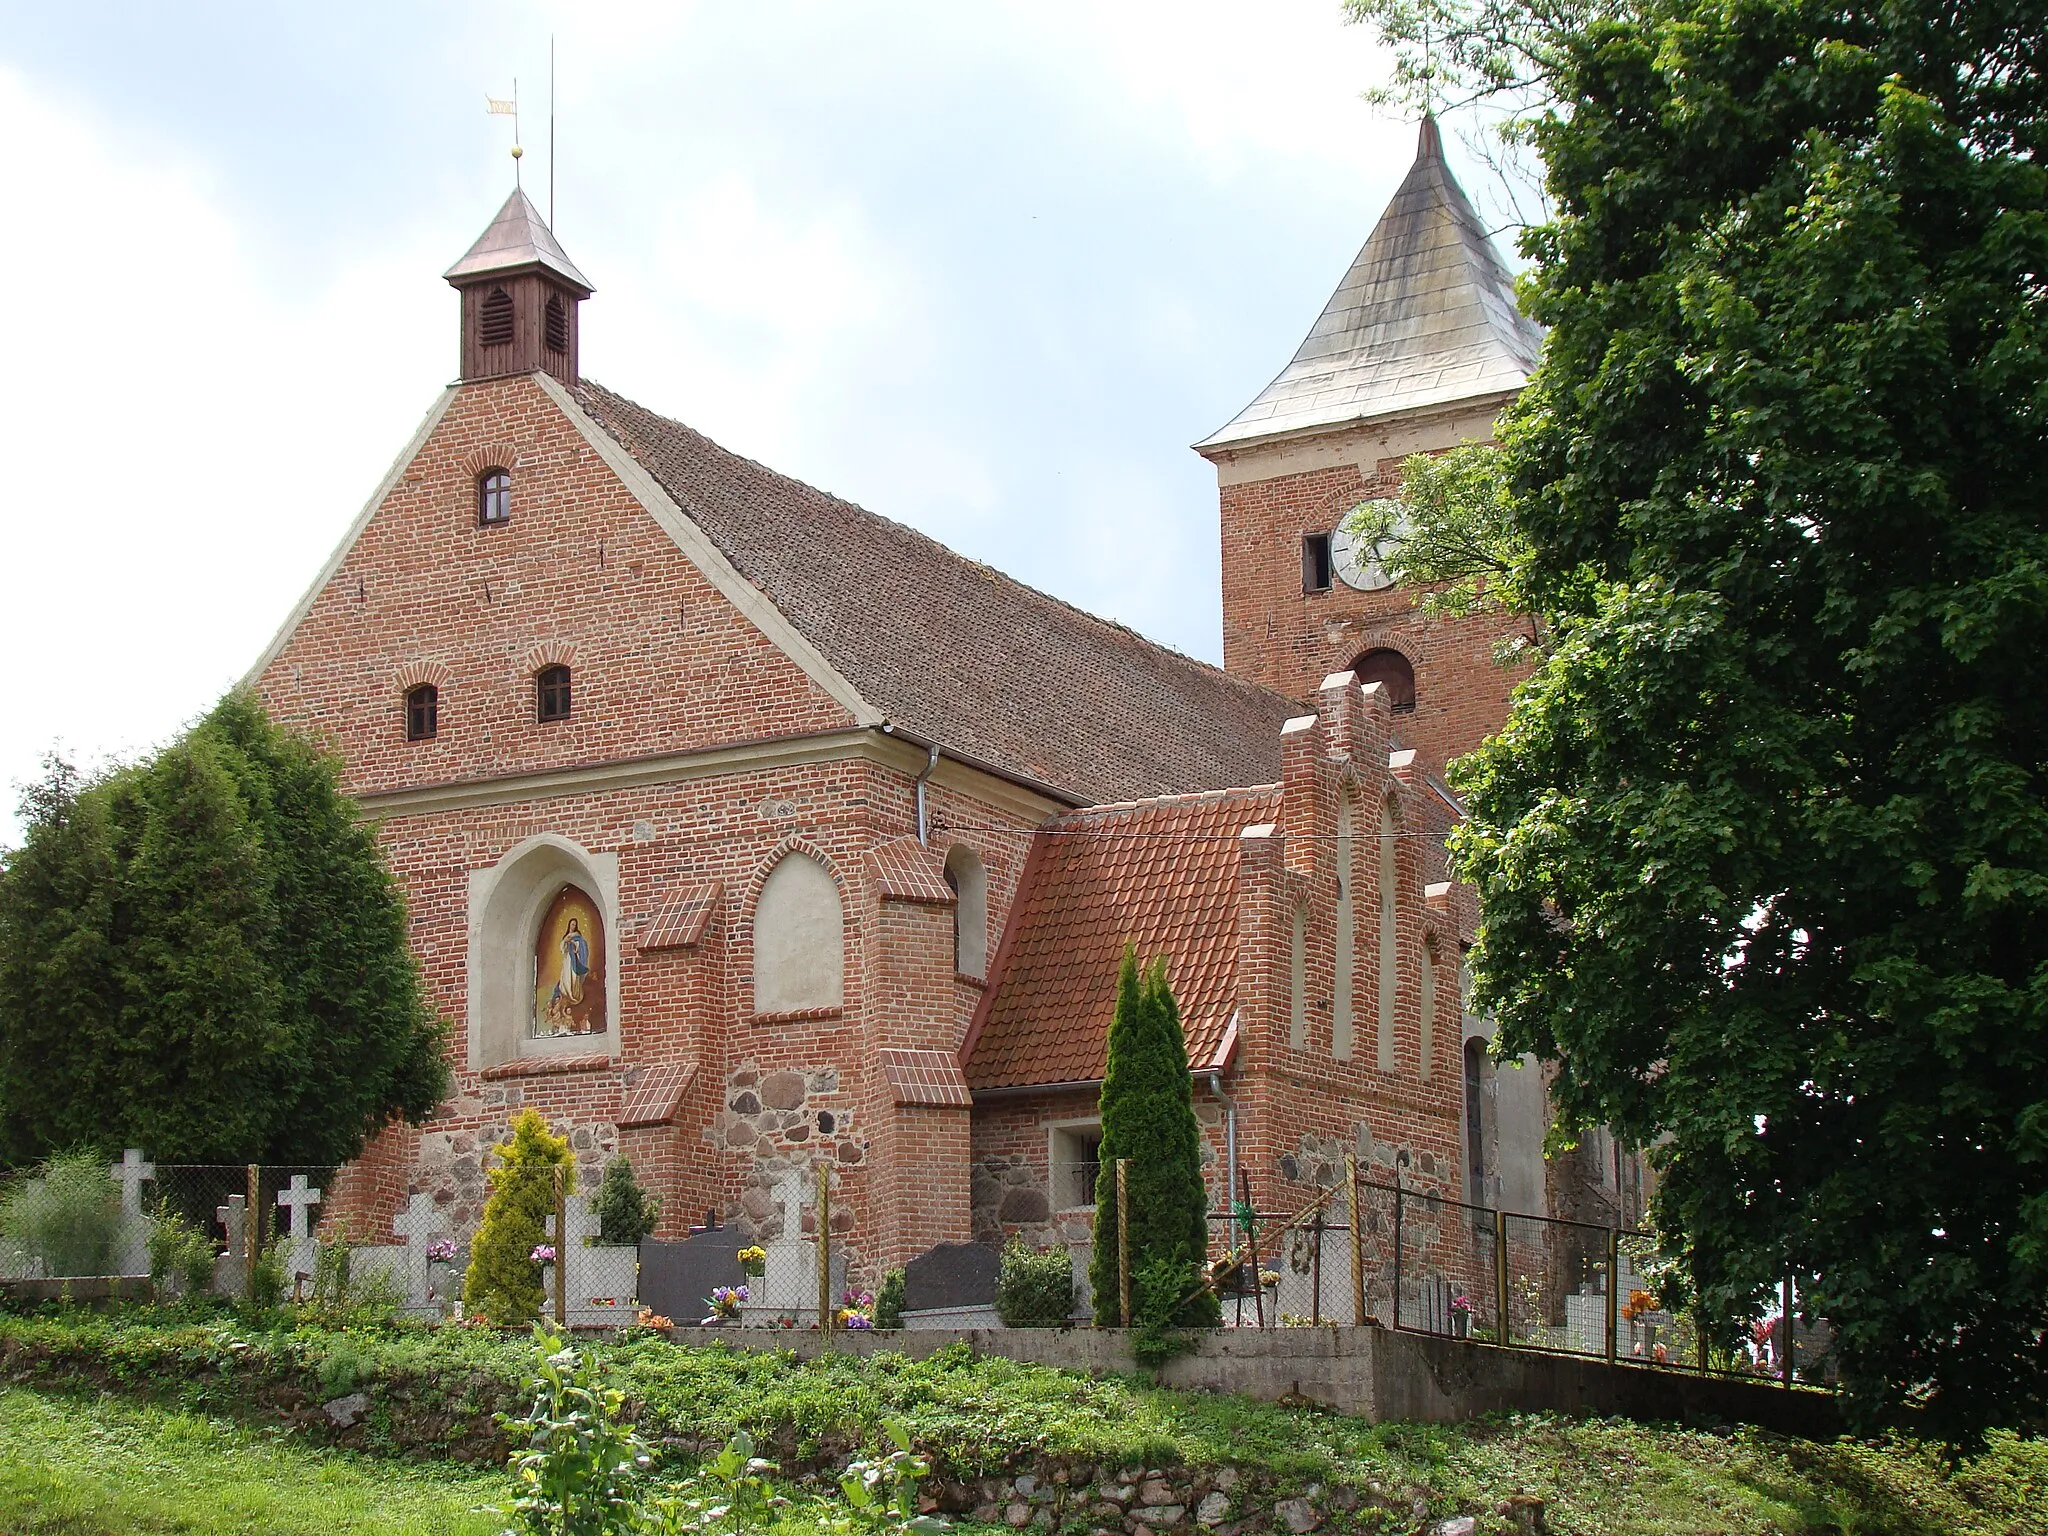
{"x": 725, "y": 1304}
{"x": 856, "y": 1309}
{"x": 753, "y": 1261}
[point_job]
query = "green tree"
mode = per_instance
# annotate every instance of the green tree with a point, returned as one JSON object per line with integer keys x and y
{"x": 1763, "y": 848}
{"x": 626, "y": 1213}
{"x": 504, "y": 1279}
{"x": 205, "y": 955}
{"x": 1148, "y": 1116}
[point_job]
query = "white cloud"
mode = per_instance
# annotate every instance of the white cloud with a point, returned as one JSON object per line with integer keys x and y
{"x": 186, "y": 434}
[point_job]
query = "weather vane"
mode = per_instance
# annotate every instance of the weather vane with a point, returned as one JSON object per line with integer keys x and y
{"x": 497, "y": 107}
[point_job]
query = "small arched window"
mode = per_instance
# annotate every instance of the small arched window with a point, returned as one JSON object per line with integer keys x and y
{"x": 555, "y": 323}
{"x": 494, "y": 320}
{"x": 1390, "y": 668}
{"x": 551, "y": 693}
{"x": 969, "y": 881}
{"x": 1476, "y": 1074}
{"x": 422, "y": 712}
{"x": 493, "y": 497}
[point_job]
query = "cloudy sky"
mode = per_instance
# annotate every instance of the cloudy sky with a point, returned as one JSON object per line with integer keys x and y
{"x": 985, "y": 267}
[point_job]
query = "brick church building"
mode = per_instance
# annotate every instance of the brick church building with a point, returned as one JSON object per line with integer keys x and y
{"x": 743, "y": 827}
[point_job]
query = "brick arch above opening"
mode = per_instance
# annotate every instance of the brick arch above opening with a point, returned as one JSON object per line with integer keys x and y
{"x": 548, "y": 653}
{"x": 488, "y": 456}
{"x": 413, "y": 673}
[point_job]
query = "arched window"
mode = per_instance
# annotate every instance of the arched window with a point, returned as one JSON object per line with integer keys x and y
{"x": 1477, "y": 1070}
{"x": 799, "y": 938}
{"x": 1343, "y": 1023}
{"x": 1297, "y": 981}
{"x": 568, "y": 967}
{"x": 1390, "y": 934}
{"x": 551, "y": 693}
{"x": 969, "y": 880}
{"x": 494, "y": 321}
{"x": 555, "y": 323}
{"x": 422, "y": 712}
{"x": 493, "y": 497}
{"x": 1392, "y": 669}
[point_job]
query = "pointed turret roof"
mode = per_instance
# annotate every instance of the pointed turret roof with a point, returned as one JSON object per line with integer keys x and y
{"x": 1426, "y": 316}
{"x": 518, "y": 238}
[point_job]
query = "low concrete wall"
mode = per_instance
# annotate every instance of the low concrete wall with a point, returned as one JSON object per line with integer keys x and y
{"x": 86, "y": 1291}
{"x": 1371, "y": 1372}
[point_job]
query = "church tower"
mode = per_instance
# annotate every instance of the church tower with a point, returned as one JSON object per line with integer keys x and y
{"x": 1417, "y": 351}
{"x": 521, "y": 295}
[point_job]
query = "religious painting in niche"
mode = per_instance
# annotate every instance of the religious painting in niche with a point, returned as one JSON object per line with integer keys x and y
{"x": 568, "y": 968}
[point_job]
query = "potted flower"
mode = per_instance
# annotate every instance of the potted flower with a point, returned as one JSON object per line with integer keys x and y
{"x": 725, "y": 1305}
{"x": 856, "y": 1309}
{"x": 753, "y": 1261}
{"x": 1463, "y": 1310}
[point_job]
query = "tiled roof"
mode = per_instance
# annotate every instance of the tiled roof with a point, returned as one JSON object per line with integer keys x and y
{"x": 926, "y": 1077}
{"x": 957, "y": 652}
{"x": 680, "y": 921}
{"x": 1425, "y": 316}
{"x": 655, "y": 1095}
{"x": 907, "y": 870}
{"x": 1160, "y": 874}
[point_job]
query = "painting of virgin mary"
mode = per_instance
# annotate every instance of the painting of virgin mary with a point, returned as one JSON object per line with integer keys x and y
{"x": 568, "y": 967}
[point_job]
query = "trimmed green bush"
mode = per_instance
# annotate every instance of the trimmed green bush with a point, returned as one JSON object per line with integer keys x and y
{"x": 65, "y": 1218}
{"x": 1148, "y": 1116}
{"x": 889, "y": 1300}
{"x": 1035, "y": 1288}
{"x": 504, "y": 1281}
{"x": 626, "y": 1213}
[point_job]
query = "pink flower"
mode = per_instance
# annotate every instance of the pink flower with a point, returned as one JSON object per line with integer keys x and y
{"x": 544, "y": 1254}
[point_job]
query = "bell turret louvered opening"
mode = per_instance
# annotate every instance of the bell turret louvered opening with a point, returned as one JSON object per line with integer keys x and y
{"x": 521, "y": 298}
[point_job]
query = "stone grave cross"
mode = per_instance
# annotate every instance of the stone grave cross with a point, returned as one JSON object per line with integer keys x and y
{"x": 419, "y": 1224}
{"x": 234, "y": 1220}
{"x": 131, "y": 1173}
{"x": 298, "y": 1199}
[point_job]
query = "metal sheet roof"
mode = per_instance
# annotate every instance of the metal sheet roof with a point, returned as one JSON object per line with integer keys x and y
{"x": 517, "y": 238}
{"x": 1425, "y": 316}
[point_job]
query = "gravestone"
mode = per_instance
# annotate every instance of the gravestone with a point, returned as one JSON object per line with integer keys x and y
{"x": 231, "y": 1269}
{"x": 677, "y": 1278}
{"x": 131, "y": 1253}
{"x": 418, "y": 1225}
{"x": 298, "y": 1199}
{"x": 952, "y": 1275}
{"x": 600, "y": 1281}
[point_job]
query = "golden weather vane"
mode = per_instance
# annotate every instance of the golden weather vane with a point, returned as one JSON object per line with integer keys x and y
{"x": 498, "y": 107}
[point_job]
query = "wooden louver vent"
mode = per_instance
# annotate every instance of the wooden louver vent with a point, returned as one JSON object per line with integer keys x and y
{"x": 557, "y": 324}
{"x": 494, "y": 324}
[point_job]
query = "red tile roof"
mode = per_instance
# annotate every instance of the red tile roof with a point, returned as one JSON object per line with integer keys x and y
{"x": 926, "y": 1077}
{"x": 906, "y": 870}
{"x": 1160, "y": 874}
{"x": 680, "y": 920}
{"x": 955, "y": 651}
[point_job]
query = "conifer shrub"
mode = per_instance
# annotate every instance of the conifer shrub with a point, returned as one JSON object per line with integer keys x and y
{"x": 504, "y": 1282}
{"x": 1148, "y": 1117}
{"x": 889, "y": 1299}
{"x": 626, "y": 1213}
{"x": 65, "y": 1219}
{"x": 1035, "y": 1288}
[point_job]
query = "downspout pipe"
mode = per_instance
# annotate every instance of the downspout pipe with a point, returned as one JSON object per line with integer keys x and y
{"x": 1229, "y": 1137}
{"x": 923, "y": 824}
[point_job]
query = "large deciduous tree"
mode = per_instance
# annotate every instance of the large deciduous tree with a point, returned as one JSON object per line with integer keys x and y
{"x": 1763, "y": 848}
{"x": 204, "y": 955}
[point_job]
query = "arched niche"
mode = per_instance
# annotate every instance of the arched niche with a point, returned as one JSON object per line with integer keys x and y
{"x": 968, "y": 878}
{"x": 799, "y": 938}
{"x": 544, "y": 883}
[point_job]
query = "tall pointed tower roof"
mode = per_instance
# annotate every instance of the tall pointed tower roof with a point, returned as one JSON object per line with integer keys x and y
{"x": 517, "y": 240}
{"x": 1426, "y": 316}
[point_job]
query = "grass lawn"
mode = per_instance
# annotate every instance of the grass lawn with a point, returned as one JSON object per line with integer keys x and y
{"x": 79, "y": 1466}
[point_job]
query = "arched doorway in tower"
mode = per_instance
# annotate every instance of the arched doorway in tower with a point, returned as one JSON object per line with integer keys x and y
{"x": 1389, "y": 667}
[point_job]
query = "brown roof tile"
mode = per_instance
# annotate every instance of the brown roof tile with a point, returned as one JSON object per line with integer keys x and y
{"x": 957, "y": 652}
{"x": 1160, "y": 874}
{"x": 906, "y": 870}
{"x": 680, "y": 921}
{"x": 926, "y": 1077}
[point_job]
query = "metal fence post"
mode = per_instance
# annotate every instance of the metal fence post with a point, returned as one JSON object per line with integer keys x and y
{"x": 1397, "y": 1249}
{"x": 561, "y": 1246}
{"x": 1504, "y": 1334}
{"x": 824, "y": 1249}
{"x": 1315, "y": 1300}
{"x": 1123, "y": 1240}
{"x": 252, "y": 1231}
{"x": 1357, "y": 1240}
{"x": 1613, "y": 1294}
{"x": 1244, "y": 1179}
{"x": 1785, "y": 1306}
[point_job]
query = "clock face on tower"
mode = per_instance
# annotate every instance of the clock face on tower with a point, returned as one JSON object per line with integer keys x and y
{"x": 1361, "y": 563}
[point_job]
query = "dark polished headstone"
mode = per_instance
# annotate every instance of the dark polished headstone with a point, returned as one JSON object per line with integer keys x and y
{"x": 952, "y": 1275}
{"x": 676, "y": 1279}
